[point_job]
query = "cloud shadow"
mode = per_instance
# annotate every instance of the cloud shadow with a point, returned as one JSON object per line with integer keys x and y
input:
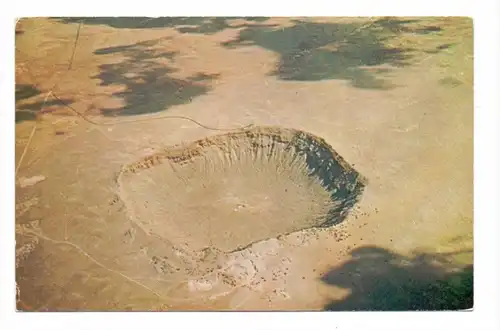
{"x": 198, "y": 25}
{"x": 381, "y": 280}
{"x": 144, "y": 82}
{"x": 352, "y": 52}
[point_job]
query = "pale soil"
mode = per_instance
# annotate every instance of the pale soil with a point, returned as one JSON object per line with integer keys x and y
{"x": 408, "y": 131}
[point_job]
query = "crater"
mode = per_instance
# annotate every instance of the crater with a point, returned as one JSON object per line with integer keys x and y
{"x": 231, "y": 190}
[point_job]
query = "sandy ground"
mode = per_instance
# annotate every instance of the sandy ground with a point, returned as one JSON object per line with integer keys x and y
{"x": 393, "y": 97}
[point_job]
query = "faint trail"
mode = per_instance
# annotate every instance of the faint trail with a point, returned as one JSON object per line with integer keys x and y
{"x": 25, "y": 148}
{"x": 45, "y": 100}
{"x": 74, "y": 46}
{"x": 32, "y": 232}
{"x": 135, "y": 281}
{"x": 111, "y": 123}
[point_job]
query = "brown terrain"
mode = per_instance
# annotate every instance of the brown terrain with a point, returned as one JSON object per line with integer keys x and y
{"x": 244, "y": 163}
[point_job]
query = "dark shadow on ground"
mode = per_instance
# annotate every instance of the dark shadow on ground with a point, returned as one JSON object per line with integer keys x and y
{"x": 25, "y": 116}
{"x": 361, "y": 54}
{"x": 203, "y": 25}
{"x": 144, "y": 78}
{"x": 26, "y": 111}
{"x": 24, "y": 91}
{"x": 381, "y": 280}
{"x": 29, "y": 111}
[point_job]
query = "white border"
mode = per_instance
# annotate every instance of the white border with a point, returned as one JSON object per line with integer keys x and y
{"x": 486, "y": 21}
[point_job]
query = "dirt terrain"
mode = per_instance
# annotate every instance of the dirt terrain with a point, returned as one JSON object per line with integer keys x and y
{"x": 242, "y": 226}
